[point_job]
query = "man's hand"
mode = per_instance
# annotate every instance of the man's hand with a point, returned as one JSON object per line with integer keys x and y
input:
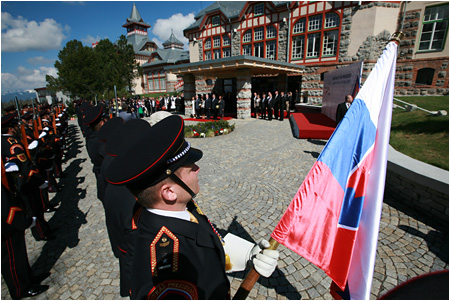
{"x": 265, "y": 262}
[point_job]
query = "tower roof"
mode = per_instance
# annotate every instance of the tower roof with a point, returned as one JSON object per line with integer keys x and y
{"x": 172, "y": 40}
{"x": 135, "y": 17}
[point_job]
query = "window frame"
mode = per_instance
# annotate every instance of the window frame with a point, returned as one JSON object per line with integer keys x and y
{"x": 208, "y": 42}
{"x": 215, "y": 18}
{"x": 215, "y": 39}
{"x": 434, "y": 23}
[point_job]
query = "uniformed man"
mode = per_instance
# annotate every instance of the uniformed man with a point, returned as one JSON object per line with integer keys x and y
{"x": 95, "y": 119}
{"x": 178, "y": 252}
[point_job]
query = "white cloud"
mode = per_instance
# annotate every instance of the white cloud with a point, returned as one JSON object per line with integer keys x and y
{"x": 26, "y": 79}
{"x": 40, "y": 60}
{"x": 87, "y": 41}
{"x": 19, "y": 34}
{"x": 163, "y": 27}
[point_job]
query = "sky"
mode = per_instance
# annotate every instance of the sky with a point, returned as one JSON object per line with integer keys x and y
{"x": 33, "y": 32}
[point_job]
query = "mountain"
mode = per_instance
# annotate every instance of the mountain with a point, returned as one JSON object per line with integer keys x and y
{"x": 26, "y": 95}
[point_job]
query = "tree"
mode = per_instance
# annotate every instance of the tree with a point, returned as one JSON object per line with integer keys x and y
{"x": 85, "y": 72}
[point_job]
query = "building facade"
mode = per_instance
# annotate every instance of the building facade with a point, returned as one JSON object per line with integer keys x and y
{"x": 152, "y": 59}
{"x": 323, "y": 36}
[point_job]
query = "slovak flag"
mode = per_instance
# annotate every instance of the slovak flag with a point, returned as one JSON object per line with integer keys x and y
{"x": 333, "y": 220}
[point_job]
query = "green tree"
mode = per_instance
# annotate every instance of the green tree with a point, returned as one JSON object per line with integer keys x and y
{"x": 85, "y": 72}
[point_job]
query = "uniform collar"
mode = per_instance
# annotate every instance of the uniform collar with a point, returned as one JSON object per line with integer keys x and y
{"x": 184, "y": 215}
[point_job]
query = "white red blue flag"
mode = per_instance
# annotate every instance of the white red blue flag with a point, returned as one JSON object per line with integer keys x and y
{"x": 333, "y": 220}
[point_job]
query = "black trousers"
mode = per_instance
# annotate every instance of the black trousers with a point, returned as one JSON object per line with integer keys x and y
{"x": 16, "y": 269}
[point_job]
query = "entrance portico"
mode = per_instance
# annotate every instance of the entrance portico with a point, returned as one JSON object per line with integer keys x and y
{"x": 241, "y": 68}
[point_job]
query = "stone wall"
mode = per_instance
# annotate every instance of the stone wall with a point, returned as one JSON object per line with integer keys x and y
{"x": 422, "y": 187}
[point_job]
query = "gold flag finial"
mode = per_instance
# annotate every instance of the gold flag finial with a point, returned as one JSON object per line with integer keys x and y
{"x": 397, "y": 36}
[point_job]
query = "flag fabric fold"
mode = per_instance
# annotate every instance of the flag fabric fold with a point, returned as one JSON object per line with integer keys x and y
{"x": 333, "y": 220}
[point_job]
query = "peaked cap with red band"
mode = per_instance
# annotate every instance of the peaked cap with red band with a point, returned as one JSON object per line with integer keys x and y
{"x": 108, "y": 128}
{"x": 93, "y": 114}
{"x": 160, "y": 152}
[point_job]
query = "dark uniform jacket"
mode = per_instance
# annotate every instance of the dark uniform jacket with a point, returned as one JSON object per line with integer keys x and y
{"x": 177, "y": 259}
{"x": 340, "y": 112}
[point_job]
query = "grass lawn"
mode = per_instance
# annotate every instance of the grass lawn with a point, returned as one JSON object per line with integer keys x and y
{"x": 419, "y": 135}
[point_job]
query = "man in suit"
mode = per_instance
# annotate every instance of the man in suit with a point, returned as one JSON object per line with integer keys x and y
{"x": 342, "y": 108}
{"x": 283, "y": 99}
{"x": 276, "y": 104}
{"x": 269, "y": 105}
{"x": 208, "y": 106}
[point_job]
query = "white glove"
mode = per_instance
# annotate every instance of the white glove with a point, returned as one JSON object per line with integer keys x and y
{"x": 265, "y": 262}
{"x": 33, "y": 144}
{"x": 46, "y": 129}
{"x": 33, "y": 223}
{"x": 43, "y": 134}
{"x": 11, "y": 167}
{"x": 44, "y": 185}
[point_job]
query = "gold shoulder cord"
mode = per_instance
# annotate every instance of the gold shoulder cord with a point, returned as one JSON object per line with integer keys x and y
{"x": 228, "y": 264}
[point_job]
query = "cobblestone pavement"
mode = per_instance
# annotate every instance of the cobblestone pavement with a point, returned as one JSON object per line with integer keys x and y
{"x": 247, "y": 180}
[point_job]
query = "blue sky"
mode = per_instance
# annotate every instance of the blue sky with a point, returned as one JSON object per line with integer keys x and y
{"x": 33, "y": 32}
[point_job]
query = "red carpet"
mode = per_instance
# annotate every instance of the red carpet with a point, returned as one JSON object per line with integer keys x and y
{"x": 311, "y": 125}
{"x": 205, "y": 120}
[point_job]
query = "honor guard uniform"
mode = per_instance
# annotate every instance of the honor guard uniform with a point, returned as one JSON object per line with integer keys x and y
{"x": 28, "y": 181}
{"x": 178, "y": 252}
{"x": 108, "y": 128}
{"x": 94, "y": 119}
{"x": 121, "y": 208}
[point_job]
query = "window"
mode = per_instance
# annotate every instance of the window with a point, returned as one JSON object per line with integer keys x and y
{"x": 207, "y": 55}
{"x": 298, "y": 44}
{"x": 163, "y": 83}
{"x": 259, "y": 33}
{"x": 259, "y": 50}
{"x": 258, "y": 9}
{"x": 315, "y": 23}
{"x": 247, "y": 49}
{"x": 247, "y": 36}
{"x": 208, "y": 43}
{"x": 217, "y": 54}
{"x": 434, "y": 28}
{"x": 299, "y": 26}
{"x": 216, "y": 42}
{"x": 271, "y": 50}
{"x": 150, "y": 84}
{"x": 156, "y": 84}
{"x": 313, "y": 45}
{"x": 227, "y": 52}
{"x": 271, "y": 32}
{"x": 330, "y": 39}
{"x": 226, "y": 40}
{"x": 331, "y": 20}
{"x": 316, "y": 36}
{"x": 215, "y": 21}
{"x": 425, "y": 76}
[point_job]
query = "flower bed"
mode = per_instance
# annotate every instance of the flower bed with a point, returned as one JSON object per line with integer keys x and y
{"x": 208, "y": 129}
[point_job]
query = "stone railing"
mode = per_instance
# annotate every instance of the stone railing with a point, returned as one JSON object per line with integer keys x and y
{"x": 420, "y": 186}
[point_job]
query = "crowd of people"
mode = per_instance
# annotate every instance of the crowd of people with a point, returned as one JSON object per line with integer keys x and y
{"x": 208, "y": 106}
{"x": 272, "y": 106}
{"x": 33, "y": 147}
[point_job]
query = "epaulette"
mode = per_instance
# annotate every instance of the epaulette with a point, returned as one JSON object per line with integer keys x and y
{"x": 164, "y": 252}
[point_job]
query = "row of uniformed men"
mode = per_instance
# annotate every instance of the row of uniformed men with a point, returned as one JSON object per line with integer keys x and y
{"x": 32, "y": 154}
{"x": 147, "y": 181}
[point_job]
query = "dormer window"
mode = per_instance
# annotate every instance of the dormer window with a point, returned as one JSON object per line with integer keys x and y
{"x": 215, "y": 21}
{"x": 258, "y": 9}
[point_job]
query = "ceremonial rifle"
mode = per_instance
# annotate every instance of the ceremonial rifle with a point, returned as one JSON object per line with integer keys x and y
{"x": 22, "y": 128}
{"x": 117, "y": 105}
{"x": 35, "y": 126}
{"x": 39, "y": 117}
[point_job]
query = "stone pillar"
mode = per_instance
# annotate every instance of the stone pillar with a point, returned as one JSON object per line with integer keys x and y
{"x": 244, "y": 93}
{"x": 189, "y": 91}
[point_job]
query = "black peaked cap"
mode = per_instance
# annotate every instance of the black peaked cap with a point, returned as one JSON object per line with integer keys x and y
{"x": 108, "y": 128}
{"x": 125, "y": 136}
{"x": 151, "y": 159}
{"x": 93, "y": 114}
{"x": 9, "y": 120}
